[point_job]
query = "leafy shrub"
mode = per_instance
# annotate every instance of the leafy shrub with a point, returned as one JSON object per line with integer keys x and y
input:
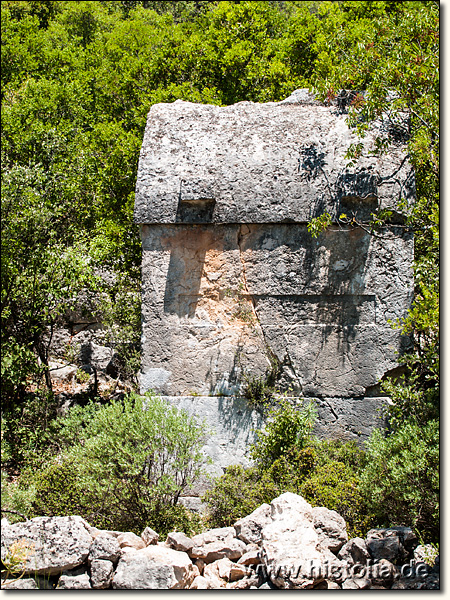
{"x": 257, "y": 391}
{"x": 260, "y": 390}
{"x": 288, "y": 426}
{"x": 58, "y": 492}
{"x": 401, "y": 477}
{"x": 27, "y": 430}
{"x": 239, "y": 491}
{"x": 415, "y": 396}
{"x": 124, "y": 465}
{"x": 287, "y": 459}
{"x": 17, "y": 498}
{"x": 232, "y": 497}
{"x": 347, "y": 452}
{"x": 335, "y": 485}
{"x": 174, "y": 518}
{"x": 82, "y": 377}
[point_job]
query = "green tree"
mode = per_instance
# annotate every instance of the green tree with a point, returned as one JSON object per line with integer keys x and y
{"x": 41, "y": 277}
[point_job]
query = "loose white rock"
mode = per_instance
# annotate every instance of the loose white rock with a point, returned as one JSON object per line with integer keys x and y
{"x": 154, "y": 568}
{"x": 56, "y": 543}
{"x": 101, "y": 573}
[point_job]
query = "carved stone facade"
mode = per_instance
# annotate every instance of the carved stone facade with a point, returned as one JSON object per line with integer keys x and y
{"x": 233, "y": 279}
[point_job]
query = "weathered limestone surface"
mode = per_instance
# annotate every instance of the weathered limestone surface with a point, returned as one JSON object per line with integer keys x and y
{"x": 294, "y": 546}
{"x": 258, "y": 163}
{"x": 215, "y": 296}
{"x": 288, "y": 562}
{"x": 232, "y": 278}
{"x": 153, "y": 568}
{"x": 331, "y": 528}
{"x": 56, "y": 543}
{"x": 232, "y": 425}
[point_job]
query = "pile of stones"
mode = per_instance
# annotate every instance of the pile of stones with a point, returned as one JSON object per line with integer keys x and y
{"x": 286, "y": 544}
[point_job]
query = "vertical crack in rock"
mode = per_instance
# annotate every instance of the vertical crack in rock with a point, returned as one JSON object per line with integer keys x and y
{"x": 315, "y": 364}
{"x": 293, "y": 376}
{"x": 240, "y": 238}
{"x": 331, "y": 410}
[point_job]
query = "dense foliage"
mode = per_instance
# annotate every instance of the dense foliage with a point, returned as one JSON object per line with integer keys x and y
{"x": 77, "y": 81}
{"x": 121, "y": 466}
{"x": 325, "y": 473}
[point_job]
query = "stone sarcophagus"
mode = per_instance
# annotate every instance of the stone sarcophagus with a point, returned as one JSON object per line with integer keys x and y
{"x": 233, "y": 282}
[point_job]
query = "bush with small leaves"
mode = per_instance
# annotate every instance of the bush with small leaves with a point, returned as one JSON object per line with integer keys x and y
{"x": 232, "y": 497}
{"x": 17, "y": 498}
{"x": 401, "y": 477}
{"x": 58, "y": 492}
{"x": 124, "y": 465}
{"x": 344, "y": 451}
{"x": 167, "y": 518}
{"x": 336, "y": 486}
{"x": 288, "y": 426}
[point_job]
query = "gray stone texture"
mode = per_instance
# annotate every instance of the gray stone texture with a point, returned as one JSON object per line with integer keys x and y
{"x": 214, "y": 299}
{"x": 230, "y": 548}
{"x": 130, "y": 540}
{"x": 248, "y": 529}
{"x": 354, "y": 551}
{"x": 105, "y": 547}
{"x": 232, "y": 278}
{"x": 232, "y": 425}
{"x": 294, "y": 547}
{"x": 153, "y": 568}
{"x": 56, "y": 543}
{"x": 177, "y": 540}
{"x": 74, "y": 582}
{"x": 259, "y": 163}
{"x": 389, "y": 543}
{"x": 102, "y": 572}
{"x": 19, "y": 584}
{"x": 331, "y": 527}
{"x": 292, "y": 551}
{"x": 149, "y": 536}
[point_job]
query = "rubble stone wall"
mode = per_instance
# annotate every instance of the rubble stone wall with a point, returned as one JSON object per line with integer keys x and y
{"x": 285, "y": 545}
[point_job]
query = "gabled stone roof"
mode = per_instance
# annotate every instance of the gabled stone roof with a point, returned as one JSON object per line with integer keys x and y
{"x": 260, "y": 163}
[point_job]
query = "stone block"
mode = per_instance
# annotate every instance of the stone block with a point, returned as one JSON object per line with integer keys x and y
{"x": 101, "y": 573}
{"x": 179, "y": 541}
{"x": 105, "y": 547}
{"x": 331, "y": 528}
{"x": 257, "y": 163}
{"x": 154, "y": 568}
{"x": 55, "y": 543}
{"x": 248, "y": 529}
{"x": 149, "y": 536}
{"x": 232, "y": 280}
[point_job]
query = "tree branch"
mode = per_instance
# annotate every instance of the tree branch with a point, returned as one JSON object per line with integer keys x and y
{"x": 14, "y": 512}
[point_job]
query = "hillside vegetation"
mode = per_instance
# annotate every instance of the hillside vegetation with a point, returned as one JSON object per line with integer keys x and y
{"x": 78, "y": 79}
